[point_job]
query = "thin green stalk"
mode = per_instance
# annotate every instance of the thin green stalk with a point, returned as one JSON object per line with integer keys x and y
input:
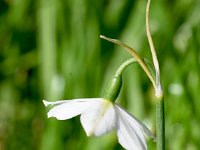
{"x": 113, "y": 87}
{"x": 124, "y": 65}
{"x": 160, "y": 114}
{"x": 160, "y": 124}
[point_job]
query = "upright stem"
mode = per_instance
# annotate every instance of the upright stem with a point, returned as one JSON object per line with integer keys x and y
{"x": 160, "y": 124}
{"x": 160, "y": 114}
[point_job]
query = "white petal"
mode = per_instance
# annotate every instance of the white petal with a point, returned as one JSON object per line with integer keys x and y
{"x": 129, "y": 131}
{"x": 47, "y": 103}
{"x": 67, "y": 109}
{"x": 145, "y": 129}
{"x": 99, "y": 119}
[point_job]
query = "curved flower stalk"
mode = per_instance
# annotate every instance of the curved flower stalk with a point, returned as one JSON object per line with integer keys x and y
{"x": 101, "y": 115}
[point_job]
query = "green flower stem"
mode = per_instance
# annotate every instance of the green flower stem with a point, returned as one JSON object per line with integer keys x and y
{"x": 113, "y": 86}
{"x": 160, "y": 113}
{"x": 124, "y": 65}
{"x": 160, "y": 123}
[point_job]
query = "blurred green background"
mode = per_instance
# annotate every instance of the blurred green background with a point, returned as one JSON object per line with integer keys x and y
{"x": 50, "y": 49}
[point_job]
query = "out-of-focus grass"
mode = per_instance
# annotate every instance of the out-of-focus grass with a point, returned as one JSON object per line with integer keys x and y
{"x": 51, "y": 50}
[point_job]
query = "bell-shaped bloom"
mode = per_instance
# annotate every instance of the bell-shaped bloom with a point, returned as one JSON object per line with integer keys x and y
{"x": 99, "y": 116}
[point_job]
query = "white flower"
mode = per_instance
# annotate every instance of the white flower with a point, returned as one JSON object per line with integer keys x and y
{"x": 99, "y": 116}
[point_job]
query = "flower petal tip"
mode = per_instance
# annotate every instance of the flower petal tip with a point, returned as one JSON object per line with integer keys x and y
{"x": 46, "y": 103}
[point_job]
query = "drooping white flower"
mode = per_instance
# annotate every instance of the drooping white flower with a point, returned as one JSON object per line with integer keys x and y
{"x": 99, "y": 116}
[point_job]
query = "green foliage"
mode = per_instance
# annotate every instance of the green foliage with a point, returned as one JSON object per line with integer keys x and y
{"x": 52, "y": 50}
